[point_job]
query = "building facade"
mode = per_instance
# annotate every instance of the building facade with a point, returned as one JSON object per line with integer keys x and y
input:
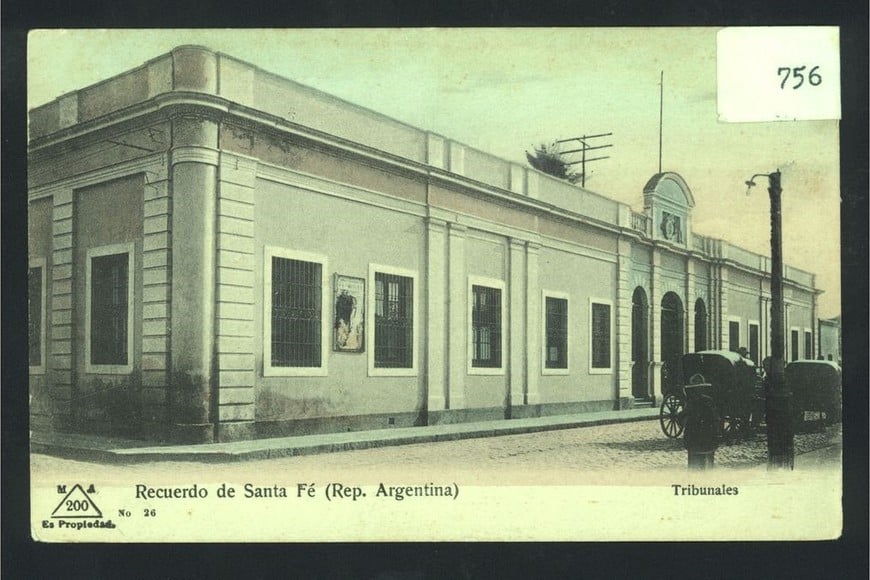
{"x": 218, "y": 253}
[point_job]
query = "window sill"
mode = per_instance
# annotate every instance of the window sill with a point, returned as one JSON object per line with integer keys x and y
{"x": 92, "y": 369}
{"x": 555, "y": 372}
{"x": 396, "y": 372}
{"x": 295, "y": 372}
{"x": 608, "y": 371}
{"x": 486, "y": 371}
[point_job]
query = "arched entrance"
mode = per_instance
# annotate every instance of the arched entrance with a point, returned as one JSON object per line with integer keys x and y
{"x": 700, "y": 325}
{"x": 639, "y": 345}
{"x": 672, "y": 341}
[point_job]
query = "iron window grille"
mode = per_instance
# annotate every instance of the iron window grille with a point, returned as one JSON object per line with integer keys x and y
{"x": 600, "y": 336}
{"x": 34, "y": 315}
{"x": 296, "y": 313}
{"x": 109, "y": 305}
{"x": 394, "y": 321}
{"x": 808, "y": 345}
{"x": 486, "y": 327}
{"x": 557, "y": 333}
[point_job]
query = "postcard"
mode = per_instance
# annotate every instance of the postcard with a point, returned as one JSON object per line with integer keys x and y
{"x": 434, "y": 285}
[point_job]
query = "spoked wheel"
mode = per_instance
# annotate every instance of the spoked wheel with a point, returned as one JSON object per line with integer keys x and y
{"x": 672, "y": 415}
{"x": 731, "y": 428}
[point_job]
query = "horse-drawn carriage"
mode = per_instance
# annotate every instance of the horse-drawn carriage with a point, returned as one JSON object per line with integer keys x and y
{"x": 733, "y": 385}
{"x": 816, "y": 393}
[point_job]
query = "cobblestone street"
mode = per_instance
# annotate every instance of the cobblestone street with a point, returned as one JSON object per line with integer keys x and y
{"x": 552, "y": 457}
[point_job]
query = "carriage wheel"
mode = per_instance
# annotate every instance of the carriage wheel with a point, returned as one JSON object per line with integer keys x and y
{"x": 672, "y": 415}
{"x": 731, "y": 428}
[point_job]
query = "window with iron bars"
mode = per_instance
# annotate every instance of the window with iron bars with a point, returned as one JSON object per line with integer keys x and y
{"x": 296, "y": 313}
{"x": 34, "y": 315}
{"x": 600, "y": 336}
{"x": 394, "y": 321}
{"x": 486, "y": 327}
{"x": 808, "y": 345}
{"x": 109, "y": 304}
{"x": 557, "y": 333}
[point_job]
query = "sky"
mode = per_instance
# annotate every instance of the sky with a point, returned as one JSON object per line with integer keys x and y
{"x": 505, "y": 91}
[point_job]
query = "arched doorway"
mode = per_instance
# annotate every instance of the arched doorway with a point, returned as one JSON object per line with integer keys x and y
{"x": 700, "y": 325}
{"x": 672, "y": 341}
{"x": 639, "y": 344}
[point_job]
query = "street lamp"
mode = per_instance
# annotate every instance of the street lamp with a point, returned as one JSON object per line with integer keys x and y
{"x": 780, "y": 432}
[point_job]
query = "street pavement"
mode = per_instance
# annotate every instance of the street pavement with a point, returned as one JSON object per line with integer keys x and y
{"x": 546, "y": 457}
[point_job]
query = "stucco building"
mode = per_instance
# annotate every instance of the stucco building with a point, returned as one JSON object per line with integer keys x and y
{"x": 220, "y": 253}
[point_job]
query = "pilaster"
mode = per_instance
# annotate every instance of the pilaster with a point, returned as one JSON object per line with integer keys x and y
{"x": 533, "y": 322}
{"x": 723, "y": 307}
{"x": 156, "y": 297}
{"x": 436, "y": 293}
{"x": 59, "y": 356}
{"x": 235, "y": 262}
{"x": 690, "y": 305}
{"x": 194, "y": 179}
{"x": 457, "y": 323}
{"x": 623, "y": 323}
{"x": 655, "y": 304}
{"x": 516, "y": 319}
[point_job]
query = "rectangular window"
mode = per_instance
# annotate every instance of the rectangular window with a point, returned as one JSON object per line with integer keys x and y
{"x": 808, "y": 345}
{"x": 556, "y": 345}
{"x": 394, "y": 321}
{"x": 753, "y": 343}
{"x": 485, "y": 327}
{"x": 109, "y": 278}
{"x": 296, "y": 313}
{"x": 733, "y": 335}
{"x": 600, "y": 358}
{"x": 35, "y": 304}
{"x": 795, "y": 344}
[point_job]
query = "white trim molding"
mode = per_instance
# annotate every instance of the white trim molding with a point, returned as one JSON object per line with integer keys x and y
{"x": 600, "y": 370}
{"x": 499, "y": 285}
{"x": 40, "y": 263}
{"x": 325, "y": 334}
{"x": 555, "y": 371}
{"x": 374, "y": 371}
{"x": 128, "y": 248}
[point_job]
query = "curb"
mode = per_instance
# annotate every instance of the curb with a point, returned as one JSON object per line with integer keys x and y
{"x": 298, "y": 446}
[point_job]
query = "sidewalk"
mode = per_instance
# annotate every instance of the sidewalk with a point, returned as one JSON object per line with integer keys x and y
{"x": 114, "y": 450}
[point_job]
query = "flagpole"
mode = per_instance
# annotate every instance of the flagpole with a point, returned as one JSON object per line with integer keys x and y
{"x": 661, "y": 110}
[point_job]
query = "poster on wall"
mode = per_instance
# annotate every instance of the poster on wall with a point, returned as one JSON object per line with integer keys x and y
{"x": 349, "y": 326}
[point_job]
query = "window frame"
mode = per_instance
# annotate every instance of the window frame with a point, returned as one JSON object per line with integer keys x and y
{"x": 270, "y": 252}
{"x": 567, "y": 368}
{"x": 39, "y": 262}
{"x": 790, "y": 345}
{"x": 749, "y": 324}
{"x": 740, "y": 326}
{"x": 413, "y": 370}
{"x": 110, "y": 250}
{"x": 495, "y": 284}
{"x": 601, "y": 370}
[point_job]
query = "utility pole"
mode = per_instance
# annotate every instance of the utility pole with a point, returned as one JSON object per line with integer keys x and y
{"x": 780, "y": 431}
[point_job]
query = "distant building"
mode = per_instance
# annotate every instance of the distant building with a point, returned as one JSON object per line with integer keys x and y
{"x": 218, "y": 253}
{"x": 830, "y": 340}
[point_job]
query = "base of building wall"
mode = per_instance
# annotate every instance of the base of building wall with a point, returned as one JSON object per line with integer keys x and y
{"x": 548, "y": 409}
{"x": 236, "y": 431}
{"x": 191, "y": 433}
{"x": 451, "y": 416}
{"x": 338, "y": 424}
